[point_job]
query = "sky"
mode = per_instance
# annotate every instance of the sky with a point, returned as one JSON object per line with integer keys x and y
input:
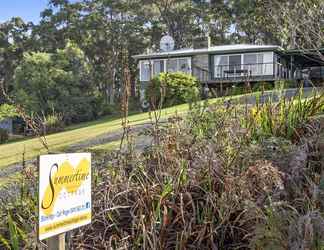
{"x": 28, "y": 10}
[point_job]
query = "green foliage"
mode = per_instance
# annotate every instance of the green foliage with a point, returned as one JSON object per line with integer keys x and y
{"x": 262, "y": 86}
{"x": 284, "y": 84}
{"x": 287, "y": 118}
{"x": 237, "y": 90}
{"x": 58, "y": 81}
{"x": 7, "y": 111}
{"x": 172, "y": 89}
{"x": 206, "y": 184}
{"x": 53, "y": 123}
{"x": 18, "y": 217}
{"x": 4, "y": 135}
{"x": 109, "y": 109}
{"x": 13, "y": 233}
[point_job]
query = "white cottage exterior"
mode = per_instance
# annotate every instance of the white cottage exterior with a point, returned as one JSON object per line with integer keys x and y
{"x": 219, "y": 66}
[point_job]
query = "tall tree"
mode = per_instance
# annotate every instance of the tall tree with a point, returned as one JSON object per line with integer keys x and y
{"x": 59, "y": 82}
{"x": 14, "y": 40}
{"x": 299, "y": 23}
{"x": 101, "y": 29}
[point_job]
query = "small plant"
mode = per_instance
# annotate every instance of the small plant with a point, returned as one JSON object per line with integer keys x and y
{"x": 262, "y": 86}
{"x": 53, "y": 123}
{"x": 285, "y": 84}
{"x": 109, "y": 109}
{"x": 287, "y": 118}
{"x": 237, "y": 90}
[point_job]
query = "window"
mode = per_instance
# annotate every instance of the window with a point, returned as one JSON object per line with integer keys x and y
{"x": 172, "y": 65}
{"x": 158, "y": 67}
{"x": 235, "y": 63}
{"x": 250, "y": 63}
{"x": 145, "y": 72}
{"x": 243, "y": 64}
{"x": 179, "y": 64}
{"x": 228, "y": 65}
{"x": 221, "y": 64}
{"x": 184, "y": 65}
{"x": 254, "y": 64}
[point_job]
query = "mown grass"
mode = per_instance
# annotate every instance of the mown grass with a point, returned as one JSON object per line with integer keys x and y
{"x": 14, "y": 152}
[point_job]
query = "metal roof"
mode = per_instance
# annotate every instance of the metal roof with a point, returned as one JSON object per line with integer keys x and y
{"x": 223, "y": 49}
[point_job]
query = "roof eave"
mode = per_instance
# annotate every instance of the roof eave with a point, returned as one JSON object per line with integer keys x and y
{"x": 198, "y": 52}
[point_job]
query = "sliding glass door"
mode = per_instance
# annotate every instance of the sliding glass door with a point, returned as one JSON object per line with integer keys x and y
{"x": 243, "y": 65}
{"x": 228, "y": 66}
{"x": 235, "y": 64}
{"x": 253, "y": 63}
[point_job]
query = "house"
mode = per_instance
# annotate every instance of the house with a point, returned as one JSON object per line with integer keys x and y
{"x": 221, "y": 66}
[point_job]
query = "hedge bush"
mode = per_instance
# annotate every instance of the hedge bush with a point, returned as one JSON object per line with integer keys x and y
{"x": 174, "y": 88}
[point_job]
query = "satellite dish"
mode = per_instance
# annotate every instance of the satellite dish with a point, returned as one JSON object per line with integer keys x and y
{"x": 166, "y": 43}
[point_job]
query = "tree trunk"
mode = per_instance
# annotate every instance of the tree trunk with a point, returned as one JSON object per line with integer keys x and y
{"x": 112, "y": 87}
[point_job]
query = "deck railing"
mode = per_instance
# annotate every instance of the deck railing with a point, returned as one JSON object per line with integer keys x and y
{"x": 255, "y": 72}
{"x": 242, "y": 72}
{"x": 249, "y": 71}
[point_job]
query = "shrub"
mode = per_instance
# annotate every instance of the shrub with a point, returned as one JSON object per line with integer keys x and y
{"x": 204, "y": 185}
{"x": 287, "y": 119}
{"x": 7, "y": 111}
{"x": 53, "y": 123}
{"x": 262, "y": 86}
{"x": 172, "y": 89}
{"x": 4, "y": 135}
{"x": 236, "y": 90}
{"x": 284, "y": 84}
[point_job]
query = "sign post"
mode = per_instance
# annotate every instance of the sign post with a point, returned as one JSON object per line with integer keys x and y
{"x": 64, "y": 196}
{"x": 56, "y": 242}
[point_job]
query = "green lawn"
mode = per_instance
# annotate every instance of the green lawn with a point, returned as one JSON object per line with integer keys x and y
{"x": 13, "y": 152}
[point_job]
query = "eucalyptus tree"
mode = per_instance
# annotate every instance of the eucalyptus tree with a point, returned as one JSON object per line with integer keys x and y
{"x": 101, "y": 29}
{"x": 47, "y": 83}
{"x": 181, "y": 19}
{"x": 299, "y": 23}
{"x": 14, "y": 40}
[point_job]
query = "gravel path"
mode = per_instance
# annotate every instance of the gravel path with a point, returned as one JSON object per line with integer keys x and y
{"x": 140, "y": 142}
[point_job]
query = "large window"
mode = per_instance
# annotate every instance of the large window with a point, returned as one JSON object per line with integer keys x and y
{"x": 172, "y": 65}
{"x": 145, "y": 71}
{"x": 184, "y": 65}
{"x": 243, "y": 64}
{"x": 254, "y": 64}
{"x": 157, "y": 66}
{"x": 221, "y": 64}
{"x": 228, "y": 65}
{"x": 179, "y": 64}
{"x": 235, "y": 64}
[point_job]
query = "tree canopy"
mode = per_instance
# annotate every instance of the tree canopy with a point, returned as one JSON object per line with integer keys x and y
{"x": 79, "y": 47}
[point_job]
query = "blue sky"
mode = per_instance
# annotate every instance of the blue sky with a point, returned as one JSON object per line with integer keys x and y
{"x": 28, "y": 10}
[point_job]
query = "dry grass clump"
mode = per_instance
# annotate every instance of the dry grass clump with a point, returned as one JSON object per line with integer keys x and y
{"x": 207, "y": 182}
{"x": 195, "y": 189}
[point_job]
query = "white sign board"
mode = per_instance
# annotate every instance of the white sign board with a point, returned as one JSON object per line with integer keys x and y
{"x": 64, "y": 193}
